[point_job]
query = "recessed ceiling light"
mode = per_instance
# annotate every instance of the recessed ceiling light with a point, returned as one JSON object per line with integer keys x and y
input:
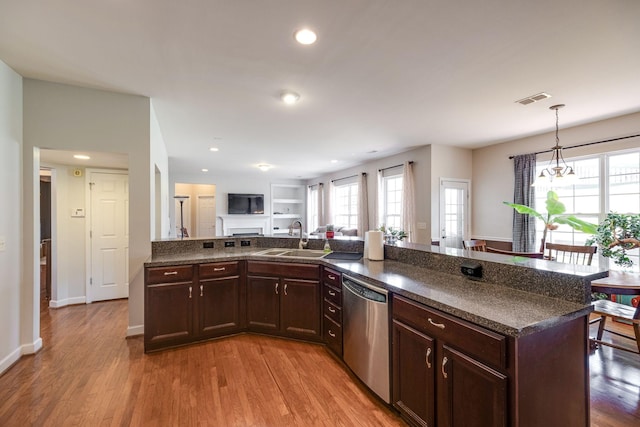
{"x": 289, "y": 97}
{"x": 305, "y": 36}
{"x": 81, "y": 156}
{"x": 264, "y": 167}
{"x": 334, "y": 161}
{"x": 214, "y": 149}
{"x": 205, "y": 170}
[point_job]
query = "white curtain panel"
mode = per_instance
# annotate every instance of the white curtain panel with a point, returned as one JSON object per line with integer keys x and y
{"x": 409, "y": 202}
{"x": 363, "y": 205}
{"x": 321, "y": 219}
{"x": 328, "y": 208}
{"x": 377, "y": 216}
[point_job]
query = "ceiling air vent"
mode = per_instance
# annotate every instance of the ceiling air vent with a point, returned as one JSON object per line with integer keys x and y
{"x": 533, "y": 98}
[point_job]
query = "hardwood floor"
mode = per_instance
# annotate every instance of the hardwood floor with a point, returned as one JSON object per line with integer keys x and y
{"x": 87, "y": 374}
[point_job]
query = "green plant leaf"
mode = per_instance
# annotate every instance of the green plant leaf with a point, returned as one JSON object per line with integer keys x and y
{"x": 526, "y": 210}
{"x": 554, "y": 205}
{"x": 577, "y": 224}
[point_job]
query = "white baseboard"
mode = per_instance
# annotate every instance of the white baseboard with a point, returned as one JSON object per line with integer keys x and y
{"x": 33, "y": 347}
{"x": 15, "y": 355}
{"x": 10, "y": 359}
{"x": 495, "y": 239}
{"x": 133, "y": 331}
{"x": 66, "y": 302}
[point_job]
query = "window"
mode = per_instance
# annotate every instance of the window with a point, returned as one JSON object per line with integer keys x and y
{"x": 606, "y": 182}
{"x": 391, "y": 201}
{"x": 346, "y": 205}
{"x": 312, "y": 208}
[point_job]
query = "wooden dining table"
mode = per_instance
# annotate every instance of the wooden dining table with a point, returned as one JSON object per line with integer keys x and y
{"x": 619, "y": 283}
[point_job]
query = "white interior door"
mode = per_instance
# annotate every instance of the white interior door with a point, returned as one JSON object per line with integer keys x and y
{"x": 454, "y": 212}
{"x": 109, "y": 235}
{"x": 206, "y": 214}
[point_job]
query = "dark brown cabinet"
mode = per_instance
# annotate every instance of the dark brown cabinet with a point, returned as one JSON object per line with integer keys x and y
{"x": 284, "y": 299}
{"x": 446, "y": 372}
{"x": 188, "y": 303}
{"x": 332, "y": 309}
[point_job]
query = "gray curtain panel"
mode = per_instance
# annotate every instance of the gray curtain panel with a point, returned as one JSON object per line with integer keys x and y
{"x": 524, "y": 226}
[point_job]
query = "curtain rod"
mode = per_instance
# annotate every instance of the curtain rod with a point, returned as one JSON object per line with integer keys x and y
{"x": 318, "y": 184}
{"x": 391, "y": 167}
{"x": 585, "y": 144}
{"x": 347, "y": 177}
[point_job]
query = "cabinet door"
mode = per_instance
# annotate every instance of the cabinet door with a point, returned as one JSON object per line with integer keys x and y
{"x": 413, "y": 374}
{"x": 263, "y": 307}
{"x": 300, "y": 308}
{"x": 470, "y": 393}
{"x": 219, "y": 306}
{"x": 169, "y": 314}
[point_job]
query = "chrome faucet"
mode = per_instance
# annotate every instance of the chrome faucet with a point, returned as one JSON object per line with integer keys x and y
{"x": 302, "y": 244}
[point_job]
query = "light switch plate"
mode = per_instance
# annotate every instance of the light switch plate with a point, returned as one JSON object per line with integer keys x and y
{"x": 3, "y": 244}
{"x": 77, "y": 213}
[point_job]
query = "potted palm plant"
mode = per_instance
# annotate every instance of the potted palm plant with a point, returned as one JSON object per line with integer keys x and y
{"x": 554, "y": 216}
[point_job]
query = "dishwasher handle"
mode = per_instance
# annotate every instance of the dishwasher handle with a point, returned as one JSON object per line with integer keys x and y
{"x": 364, "y": 290}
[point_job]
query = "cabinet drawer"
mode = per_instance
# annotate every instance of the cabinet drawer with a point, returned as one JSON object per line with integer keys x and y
{"x": 332, "y": 335}
{"x": 333, "y": 312}
{"x": 182, "y": 273}
{"x": 298, "y": 271}
{"x": 332, "y": 294}
{"x": 474, "y": 340}
{"x": 219, "y": 269}
{"x": 332, "y": 277}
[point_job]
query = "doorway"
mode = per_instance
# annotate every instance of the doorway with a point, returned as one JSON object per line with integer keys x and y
{"x": 198, "y": 209}
{"x": 454, "y": 212}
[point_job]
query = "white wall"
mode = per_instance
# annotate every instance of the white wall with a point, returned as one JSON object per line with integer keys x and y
{"x": 159, "y": 164}
{"x": 67, "y": 117}
{"x": 10, "y": 218}
{"x": 68, "y": 236}
{"x": 493, "y": 170}
{"x": 422, "y": 166}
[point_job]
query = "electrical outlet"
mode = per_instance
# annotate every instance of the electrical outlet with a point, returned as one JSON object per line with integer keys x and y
{"x": 207, "y": 245}
{"x": 245, "y": 242}
{"x": 229, "y": 244}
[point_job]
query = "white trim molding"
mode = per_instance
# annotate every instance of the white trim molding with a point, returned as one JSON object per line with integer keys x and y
{"x": 133, "y": 331}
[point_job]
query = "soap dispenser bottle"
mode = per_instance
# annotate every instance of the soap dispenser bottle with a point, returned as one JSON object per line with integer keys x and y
{"x": 327, "y": 247}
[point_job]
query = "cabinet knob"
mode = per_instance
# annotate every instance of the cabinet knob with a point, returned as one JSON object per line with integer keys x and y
{"x": 285, "y": 289}
{"x": 332, "y": 334}
{"x": 332, "y": 310}
{"x": 190, "y": 291}
{"x": 277, "y": 284}
{"x": 437, "y": 325}
{"x": 332, "y": 293}
{"x": 201, "y": 290}
{"x": 427, "y": 357}
{"x": 332, "y": 277}
{"x": 444, "y": 363}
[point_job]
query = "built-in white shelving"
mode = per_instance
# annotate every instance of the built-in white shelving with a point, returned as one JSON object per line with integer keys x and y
{"x": 288, "y": 202}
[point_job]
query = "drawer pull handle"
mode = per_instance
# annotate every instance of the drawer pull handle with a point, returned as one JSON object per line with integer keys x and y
{"x": 331, "y": 334}
{"x": 331, "y": 277}
{"x": 437, "y": 325}
{"x": 285, "y": 289}
{"x": 201, "y": 290}
{"x": 190, "y": 291}
{"x": 444, "y": 363}
{"x": 332, "y": 293}
{"x": 170, "y": 273}
{"x": 219, "y": 269}
{"x": 277, "y": 284}
{"x": 332, "y": 310}
{"x": 427, "y": 357}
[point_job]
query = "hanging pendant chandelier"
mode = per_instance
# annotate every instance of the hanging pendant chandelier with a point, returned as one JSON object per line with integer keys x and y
{"x": 557, "y": 172}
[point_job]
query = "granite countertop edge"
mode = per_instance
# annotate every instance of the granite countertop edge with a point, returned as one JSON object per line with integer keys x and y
{"x": 480, "y": 303}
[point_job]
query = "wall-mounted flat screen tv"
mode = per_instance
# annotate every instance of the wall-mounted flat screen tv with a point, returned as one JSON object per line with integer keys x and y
{"x": 246, "y": 204}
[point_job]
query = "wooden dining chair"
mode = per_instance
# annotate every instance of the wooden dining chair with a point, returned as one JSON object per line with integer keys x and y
{"x": 475, "y": 245}
{"x": 571, "y": 254}
{"x": 538, "y": 255}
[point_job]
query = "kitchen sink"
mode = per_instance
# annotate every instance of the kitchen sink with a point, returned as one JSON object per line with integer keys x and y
{"x": 292, "y": 253}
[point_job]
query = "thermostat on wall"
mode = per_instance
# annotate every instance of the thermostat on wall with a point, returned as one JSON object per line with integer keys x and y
{"x": 77, "y": 172}
{"x": 77, "y": 213}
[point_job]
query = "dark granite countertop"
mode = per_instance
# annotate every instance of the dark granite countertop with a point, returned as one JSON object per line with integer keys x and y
{"x": 508, "y": 311}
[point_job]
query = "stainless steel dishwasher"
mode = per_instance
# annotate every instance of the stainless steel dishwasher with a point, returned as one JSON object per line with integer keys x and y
{"x": 365, "y": 318}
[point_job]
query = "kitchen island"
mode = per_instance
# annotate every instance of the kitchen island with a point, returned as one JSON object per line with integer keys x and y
{"x": 508, "y": 349}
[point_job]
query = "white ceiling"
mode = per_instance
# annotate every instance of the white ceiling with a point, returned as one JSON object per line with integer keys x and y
{"x": 384, "y": 76}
